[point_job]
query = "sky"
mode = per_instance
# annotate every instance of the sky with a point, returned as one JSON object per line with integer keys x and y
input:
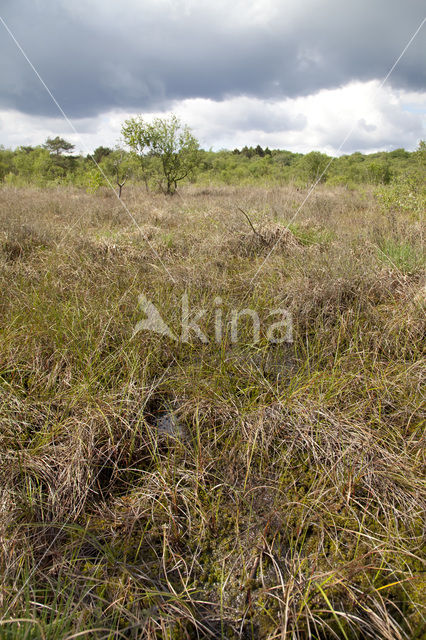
{"x": 289, "y": 74}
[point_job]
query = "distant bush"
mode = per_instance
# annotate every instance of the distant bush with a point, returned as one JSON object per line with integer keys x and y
{"x": 172, "y": 156}
{"x": 406, "y": 193}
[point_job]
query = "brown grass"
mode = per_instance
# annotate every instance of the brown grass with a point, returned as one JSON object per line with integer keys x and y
{"x": 290, "y": 503}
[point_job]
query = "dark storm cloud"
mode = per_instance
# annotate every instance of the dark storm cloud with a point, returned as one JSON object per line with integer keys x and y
{"x": 96, "y": 56}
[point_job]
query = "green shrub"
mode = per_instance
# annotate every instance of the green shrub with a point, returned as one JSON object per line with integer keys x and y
{"x": 405, "y": 194}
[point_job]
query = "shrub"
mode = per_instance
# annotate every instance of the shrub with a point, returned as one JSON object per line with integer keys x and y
{"x": 406, "y": 194}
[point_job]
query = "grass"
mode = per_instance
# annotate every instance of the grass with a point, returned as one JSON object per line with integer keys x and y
{"x": 292, "y": 503}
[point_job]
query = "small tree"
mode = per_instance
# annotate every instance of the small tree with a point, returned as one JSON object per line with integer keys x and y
{"x": 420, "y": 155}
{"x": 65, "y": 164}
{"x": 58, "y": 145}
{"x": 115, "y": 167}
{"x": 118, "y": 165}
{"x": 168, "y": 140}
{"x": 378, "y": 172}
{"x": 99, "y": 153}
{"x": 6, "y": 162}
{"x": 137, "y": 135}
{"x": 314, "y": 165}
{"x": 177, "y": 149}
{"x": 35, "y": 164}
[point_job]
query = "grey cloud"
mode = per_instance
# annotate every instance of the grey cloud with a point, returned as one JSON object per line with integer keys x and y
{"x": 362, "y": 124}
{"x": 399, "y": 129}
{"x": 146, "y": 55}
{"x": 261, "y": 116}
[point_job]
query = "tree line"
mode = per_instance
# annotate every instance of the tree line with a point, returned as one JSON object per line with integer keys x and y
{"x": 163, "y": 153}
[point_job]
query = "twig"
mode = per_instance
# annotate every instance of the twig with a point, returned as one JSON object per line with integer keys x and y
{"x": 251, "y": 225}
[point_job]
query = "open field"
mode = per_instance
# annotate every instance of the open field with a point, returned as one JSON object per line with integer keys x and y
{"x": 290, "y": 501}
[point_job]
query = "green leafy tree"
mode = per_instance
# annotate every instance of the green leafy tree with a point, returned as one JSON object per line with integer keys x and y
{"x": 99, "y": 153}
{"x": 65, "y": 164}
{"x": 313, "y": 166}
{"x": 420, "y": 155}
{"x": 114, "y": 167}
{"x": 138, "y": 136}
{"x": 168, "y": 140}
{"x": 6, "y": 162}
{"x": 248, "y": 152}
{"x": 177, "y": 149}
{"x": 35, "y": 164}
{"x": 58, "y": 145}
{"x": 118, "y": 165}
{"x": 94, "y": 180}
{"x": 378, "y": 172}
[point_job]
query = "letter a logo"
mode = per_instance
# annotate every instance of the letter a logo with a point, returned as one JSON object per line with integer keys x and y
{"x": 153, "y": 321}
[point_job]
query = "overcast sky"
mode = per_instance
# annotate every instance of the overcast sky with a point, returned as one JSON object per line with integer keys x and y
{"x": 293, "y": 74}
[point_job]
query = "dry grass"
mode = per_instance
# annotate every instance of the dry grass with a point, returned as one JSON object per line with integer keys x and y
{"x": 292, "y": 503}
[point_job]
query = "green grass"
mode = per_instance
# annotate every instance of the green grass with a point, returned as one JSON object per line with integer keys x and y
{"x": 293, "y": 504}
{"x": 405, "y": 256}
{"x": 308, "y": 235}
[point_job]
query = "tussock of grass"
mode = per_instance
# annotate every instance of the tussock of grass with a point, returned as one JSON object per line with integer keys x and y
{"x": 293, "y": 504}
{"x": 263, "y": 240}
